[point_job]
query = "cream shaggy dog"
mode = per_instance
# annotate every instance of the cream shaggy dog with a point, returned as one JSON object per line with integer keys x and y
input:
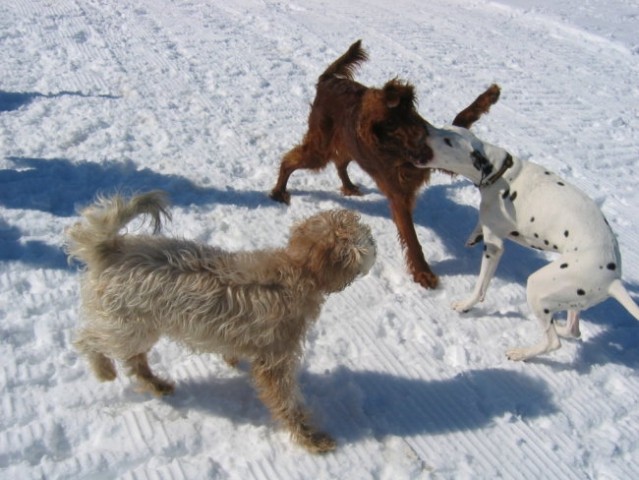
{"x": 255, "y": 305}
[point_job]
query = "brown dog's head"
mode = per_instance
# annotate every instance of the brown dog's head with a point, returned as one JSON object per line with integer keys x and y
{"x": 334, "y": 247}
{"x": 389, "y": 124}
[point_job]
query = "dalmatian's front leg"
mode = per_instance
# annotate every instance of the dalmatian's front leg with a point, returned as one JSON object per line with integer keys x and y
{"x": 493, "y": 250}
{"x": 475, "y": 236}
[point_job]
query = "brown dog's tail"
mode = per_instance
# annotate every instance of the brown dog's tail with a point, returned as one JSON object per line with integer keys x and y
{"x": 346, "y": 65}
{"x": 95, "y": 239}
{"x": 481, "y": 105}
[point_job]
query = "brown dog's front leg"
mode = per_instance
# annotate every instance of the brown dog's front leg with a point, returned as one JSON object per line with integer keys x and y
{"x": 403, "y": 217}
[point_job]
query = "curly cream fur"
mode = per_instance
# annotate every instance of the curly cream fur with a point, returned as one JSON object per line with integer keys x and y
{"x": 253, "y": 305}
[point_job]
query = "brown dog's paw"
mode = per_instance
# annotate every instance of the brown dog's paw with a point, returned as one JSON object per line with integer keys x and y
{"x": 426, "y": 279}
{"x": 281, "y": 196}
{"x": 351, "y": 191}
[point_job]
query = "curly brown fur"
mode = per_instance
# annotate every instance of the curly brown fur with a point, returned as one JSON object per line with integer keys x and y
{"x": 381, "y": 130}
{"x": 254, "y": 305}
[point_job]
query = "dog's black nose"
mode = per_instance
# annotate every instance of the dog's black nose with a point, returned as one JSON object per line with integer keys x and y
{"x": 481, "y": 163}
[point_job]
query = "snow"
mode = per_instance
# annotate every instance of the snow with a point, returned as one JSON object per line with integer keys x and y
{"x": 202, "y": 99}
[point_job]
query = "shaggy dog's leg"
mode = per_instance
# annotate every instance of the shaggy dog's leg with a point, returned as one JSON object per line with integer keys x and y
{"x": 102, "y": 366}
{"x": 279, "y": 391}
{"x": 139, "y": 367}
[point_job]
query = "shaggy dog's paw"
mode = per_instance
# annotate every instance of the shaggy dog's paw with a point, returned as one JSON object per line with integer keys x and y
{"x": 318, "y": 442}
{"x": 158, "y": 387}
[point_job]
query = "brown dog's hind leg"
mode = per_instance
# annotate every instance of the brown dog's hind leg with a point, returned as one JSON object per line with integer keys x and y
{"x": 348, "y": 187}
{"x": 302, "y": 156}
{"x": 475, "y": 110}
{"x": 138, "y": 366}
{"x": 278, "y": 389}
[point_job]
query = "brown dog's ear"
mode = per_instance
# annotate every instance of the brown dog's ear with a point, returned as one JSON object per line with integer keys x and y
{"x": 397, "y": 92}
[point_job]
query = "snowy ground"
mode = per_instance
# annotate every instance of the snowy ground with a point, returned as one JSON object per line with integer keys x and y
{"x": 201, "y": 98}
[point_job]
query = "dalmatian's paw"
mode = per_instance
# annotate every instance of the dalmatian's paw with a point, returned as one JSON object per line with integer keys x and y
{"x": 463, "y": 306}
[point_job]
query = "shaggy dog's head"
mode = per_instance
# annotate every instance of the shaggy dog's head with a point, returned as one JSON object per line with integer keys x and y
{"x": 334, "y": 247}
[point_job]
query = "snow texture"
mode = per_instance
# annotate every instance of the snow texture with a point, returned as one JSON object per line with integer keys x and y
{"x": 201, "y": 99}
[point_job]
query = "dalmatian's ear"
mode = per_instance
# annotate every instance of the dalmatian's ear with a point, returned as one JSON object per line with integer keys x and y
{"x": 494, "y": 154}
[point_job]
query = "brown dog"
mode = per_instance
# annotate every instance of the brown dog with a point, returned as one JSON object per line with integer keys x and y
{"x": 254, "y": 305}
{"x": 381, "y": 130}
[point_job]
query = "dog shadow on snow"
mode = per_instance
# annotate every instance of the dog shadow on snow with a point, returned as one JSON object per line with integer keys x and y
{"x": 59, "y": 187}
{"x": 354, "y": 405}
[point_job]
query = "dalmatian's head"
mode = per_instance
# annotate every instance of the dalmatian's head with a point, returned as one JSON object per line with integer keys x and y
{"x": 458, "y": 150}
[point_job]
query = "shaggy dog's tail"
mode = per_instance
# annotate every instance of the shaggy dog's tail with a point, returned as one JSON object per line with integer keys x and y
{"x": 95, "y": 239}
{"x": 346, "y": 65}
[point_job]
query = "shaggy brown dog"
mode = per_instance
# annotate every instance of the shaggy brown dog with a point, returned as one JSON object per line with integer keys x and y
{"x": 381, "y": 130}
{"x": 252, "y": 305}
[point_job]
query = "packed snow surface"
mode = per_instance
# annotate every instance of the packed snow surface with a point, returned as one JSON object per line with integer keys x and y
{"x": 202, "y": 98}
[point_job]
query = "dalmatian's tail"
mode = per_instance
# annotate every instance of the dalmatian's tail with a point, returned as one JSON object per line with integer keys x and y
{"x": 619, "y": 293}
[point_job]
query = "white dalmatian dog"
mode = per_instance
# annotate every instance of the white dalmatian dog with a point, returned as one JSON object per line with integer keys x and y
{"x": 526, "y": 203}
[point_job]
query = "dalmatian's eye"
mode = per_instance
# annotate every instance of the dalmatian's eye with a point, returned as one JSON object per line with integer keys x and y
{"x": 448, "y": 142}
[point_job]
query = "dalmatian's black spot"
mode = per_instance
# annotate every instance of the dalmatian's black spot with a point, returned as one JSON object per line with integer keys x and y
{"x": 563, "y": 265}
{"x": 515, "y": 233}
{"x": 477, "y": 239}
{"x": 505, "y": 194}
{"x": 513, "y": 196}
{"x": 561, "y": 184}
{"x": 546, "y": 242}
{"x": 536, "y": 235}
{"x": 580, "y": 292}
{"x": 448, "y": 142}
{"x": 555, "y": 247}
{"x": 547, "y": 173}
{"x": 487, "y": 256}
{"x": 546, "y": 311}
{"x": 532, "y": 219}
{"x": 566, "y": 233}
{"x": 611, "y": 266}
